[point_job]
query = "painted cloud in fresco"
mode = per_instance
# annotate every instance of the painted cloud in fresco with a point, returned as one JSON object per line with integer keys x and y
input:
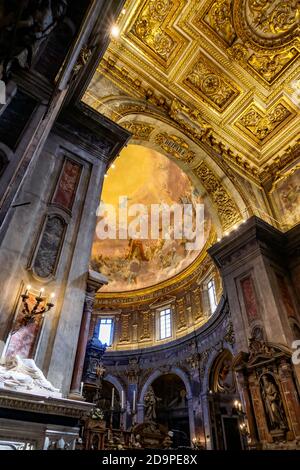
{"x": 144, "y": 176}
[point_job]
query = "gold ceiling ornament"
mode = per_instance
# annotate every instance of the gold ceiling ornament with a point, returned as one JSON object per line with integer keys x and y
{"x": 259, "y": 64}
{"x": 269, "y": 66}
{"x": 153, "y": 29}
{"x": 209, "y": 83}
{"x": 227, "y": 210}
{"x": 175, "y": 146}
{"x": 139, "y": 130}
{"x": 238, "y": 52}
{"x": 261, "y": 35}
{"x": 191, "y": 122}
{"x": 278, "y": 165}
{"x": 267, "y": 23}
{"x": 260, "y": 124}
{"x": 219, "y": 17}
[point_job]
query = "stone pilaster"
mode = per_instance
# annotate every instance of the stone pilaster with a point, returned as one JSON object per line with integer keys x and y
{"x": 253, "y": 259}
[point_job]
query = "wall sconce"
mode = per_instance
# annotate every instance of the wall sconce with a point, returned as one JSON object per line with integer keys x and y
{"x": 197, "y": 444}
{"x": 244, "y": 430}
{"x": 30, "y": 313}
{"x": 237, "y": 406}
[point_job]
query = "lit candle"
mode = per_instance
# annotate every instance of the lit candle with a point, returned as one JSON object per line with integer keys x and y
{"x": 122, "y": 399}
{"x": 112, "y": 398}
{"x": 27, "y": 289}
{"x": 134, "y": 401}
{"x": 42, "y": 291}
{"x": 81, "y": 388}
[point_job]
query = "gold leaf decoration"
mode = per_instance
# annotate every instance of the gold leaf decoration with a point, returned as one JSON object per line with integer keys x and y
{"x": 226, "y": 207}
{"x": 175, "y": 146}
{"x": 210, "y": 85}
{"x": 261, "y": 125}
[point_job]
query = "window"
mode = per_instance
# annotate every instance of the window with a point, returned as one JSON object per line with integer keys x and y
{"x": 212, "y": 295}
{"x": 106, "y": 331}
{"x": 165, "y": 323}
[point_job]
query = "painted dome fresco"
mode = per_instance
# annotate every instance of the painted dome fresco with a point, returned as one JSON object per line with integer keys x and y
{"x": 145, "y": 177}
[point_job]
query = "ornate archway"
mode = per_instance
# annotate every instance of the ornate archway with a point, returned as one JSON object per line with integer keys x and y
{"x": 185, "y": 399}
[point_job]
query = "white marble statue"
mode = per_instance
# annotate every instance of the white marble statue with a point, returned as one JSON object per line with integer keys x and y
{"x": 23, "y": 375}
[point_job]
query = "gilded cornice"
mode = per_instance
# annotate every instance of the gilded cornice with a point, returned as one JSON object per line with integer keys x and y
{"x": 280, "y": 165}
{"x": 169, "y": 109}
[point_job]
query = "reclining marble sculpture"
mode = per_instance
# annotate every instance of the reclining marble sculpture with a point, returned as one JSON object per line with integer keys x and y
{"x": 23, "y": 375}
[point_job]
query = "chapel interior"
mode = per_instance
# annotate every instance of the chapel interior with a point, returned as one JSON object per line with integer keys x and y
{"x": 140, "y": 343}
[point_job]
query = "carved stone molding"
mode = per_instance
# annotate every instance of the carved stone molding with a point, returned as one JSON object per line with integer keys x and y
{"x": 226, "y": 207}
{"x": 139, "y": 130}
{"x": 33, "y": 403}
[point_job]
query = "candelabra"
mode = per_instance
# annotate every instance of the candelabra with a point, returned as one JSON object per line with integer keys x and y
{"x": 237, "y": 407}
{"x": 29, "y": 314}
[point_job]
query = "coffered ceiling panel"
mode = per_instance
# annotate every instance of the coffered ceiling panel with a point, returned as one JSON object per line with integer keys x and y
{"x": 226, "y": 72}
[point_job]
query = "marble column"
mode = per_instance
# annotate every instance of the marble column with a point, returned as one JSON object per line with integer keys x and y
{"x": 94, "y": 283}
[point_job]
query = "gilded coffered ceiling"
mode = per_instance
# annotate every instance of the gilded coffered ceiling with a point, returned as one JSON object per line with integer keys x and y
{"x": 224, "y": 72}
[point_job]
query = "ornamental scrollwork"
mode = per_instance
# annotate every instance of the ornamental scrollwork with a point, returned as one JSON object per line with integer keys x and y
{"x": 175, "y": 146}
{"x": 212, "y": 86}
{"x": 260, "y": 124}
{"x": 139, "y": 130}
{"x": 261, "y": 35}
{"x": 149, "y": 29}
{"x": 271, "y": 18}
{"x": 226, "y": 207}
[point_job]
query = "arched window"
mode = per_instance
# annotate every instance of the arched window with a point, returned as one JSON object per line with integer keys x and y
{"x": 212, "y": 297}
